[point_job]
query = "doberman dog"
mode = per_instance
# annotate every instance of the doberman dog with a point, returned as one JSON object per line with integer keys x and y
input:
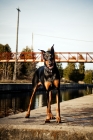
{"x": 48, "y": 76}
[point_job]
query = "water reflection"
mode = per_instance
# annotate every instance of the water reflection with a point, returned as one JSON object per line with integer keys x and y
{"x": 12, "y": 103}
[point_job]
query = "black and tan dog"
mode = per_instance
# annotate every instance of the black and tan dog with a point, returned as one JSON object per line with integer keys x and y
{"x": 48, "y": 76}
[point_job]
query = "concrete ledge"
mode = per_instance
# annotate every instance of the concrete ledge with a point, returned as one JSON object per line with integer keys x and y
{"x": 77, "y": 123}
{"x": 22, "y": 132}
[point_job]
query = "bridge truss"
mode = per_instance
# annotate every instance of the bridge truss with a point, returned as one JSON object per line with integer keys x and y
{"x": 86, "y": 57}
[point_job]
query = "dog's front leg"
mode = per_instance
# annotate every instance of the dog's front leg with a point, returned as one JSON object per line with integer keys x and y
{"x": 28, "y": 112}
{"x": 50, "y": 98}
{"x": 58, "y": 118}
{"x": 48, "y": 108}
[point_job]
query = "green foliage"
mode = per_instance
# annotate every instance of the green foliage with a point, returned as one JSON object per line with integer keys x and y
{"x": 27, "y": 68}
{"x": 5, "y": 48}
{"x": 88, "y": 77}
{"x": 73, "y": 74}
{"x": 59, "y": 65}
{"x": 81, "y": 71}
{"x": 6, "y": 69}
{"x": 69, "y": 70}
{"x": 24, "y": 70}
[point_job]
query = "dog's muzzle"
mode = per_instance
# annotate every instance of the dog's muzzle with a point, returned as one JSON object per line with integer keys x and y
{"x": 51, "y": 65}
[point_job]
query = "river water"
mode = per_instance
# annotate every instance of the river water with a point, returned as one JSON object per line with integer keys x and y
{"x": 16, "y": 102}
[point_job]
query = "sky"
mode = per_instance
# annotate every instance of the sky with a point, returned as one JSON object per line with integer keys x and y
{"x": 68, "y": 24}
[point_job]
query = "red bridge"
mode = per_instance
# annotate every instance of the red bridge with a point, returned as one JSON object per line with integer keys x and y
{"x": 37, "y": 57}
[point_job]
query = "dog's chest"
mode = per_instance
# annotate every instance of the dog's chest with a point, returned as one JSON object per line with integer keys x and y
{"x": 49, "y": 75}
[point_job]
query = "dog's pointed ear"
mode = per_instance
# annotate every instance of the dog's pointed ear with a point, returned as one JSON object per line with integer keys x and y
{"x": 42, "y": 51}
{"x": 52, "y": 49}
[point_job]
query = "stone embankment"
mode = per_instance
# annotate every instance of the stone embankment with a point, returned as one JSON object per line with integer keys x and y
{"x": 27, "y": 86}
{"x": 77, "y": 123}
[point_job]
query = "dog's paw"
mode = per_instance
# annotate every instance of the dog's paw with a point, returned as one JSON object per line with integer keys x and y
{"x": 27, "y": 115}
{"x": 47, "y": 121}
{"x": 58, "y": 119}
{"x": 52, "y": 117}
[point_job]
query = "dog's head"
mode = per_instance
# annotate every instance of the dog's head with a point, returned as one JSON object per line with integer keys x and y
{"x": 49, "y": 58}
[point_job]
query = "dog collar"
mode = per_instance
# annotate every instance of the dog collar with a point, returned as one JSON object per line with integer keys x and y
{"x": 48, "y": 70}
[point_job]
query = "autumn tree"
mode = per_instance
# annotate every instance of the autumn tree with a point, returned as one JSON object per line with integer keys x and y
{"x": 6, "y": 69}
{"x": 27, "y": 68}
{"x": 59, "y": 65}
{"x": 69, "y": 71}
{"x": 88, "y": 77}
{"x": 81, "y": 71}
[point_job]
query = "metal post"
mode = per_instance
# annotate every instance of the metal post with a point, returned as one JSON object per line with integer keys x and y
{"x": 14, "y": 75}
{"x": 32, "y": 43}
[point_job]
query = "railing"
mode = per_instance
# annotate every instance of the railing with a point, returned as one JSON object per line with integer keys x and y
{"x": 37, "y": 57}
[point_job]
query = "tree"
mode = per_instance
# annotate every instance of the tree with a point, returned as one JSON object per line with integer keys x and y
{"x": 69, "y": 70}
{"x": 59, "y": 65}
{"x": 27, "y": 68}
{"x": 81, "y": 71}
{"x": 6, "y": 69}
{"x": 88, "y": 77}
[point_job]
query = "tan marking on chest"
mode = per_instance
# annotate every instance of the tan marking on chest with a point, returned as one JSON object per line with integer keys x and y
{"x": 56, "y": 83}
{"x": 47, "y": 84}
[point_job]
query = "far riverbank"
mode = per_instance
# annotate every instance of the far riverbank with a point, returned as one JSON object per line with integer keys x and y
{"x": 28, "y": 86}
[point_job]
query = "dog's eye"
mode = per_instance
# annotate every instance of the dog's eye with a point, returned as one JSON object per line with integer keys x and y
{"x": 45, "y": 57}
